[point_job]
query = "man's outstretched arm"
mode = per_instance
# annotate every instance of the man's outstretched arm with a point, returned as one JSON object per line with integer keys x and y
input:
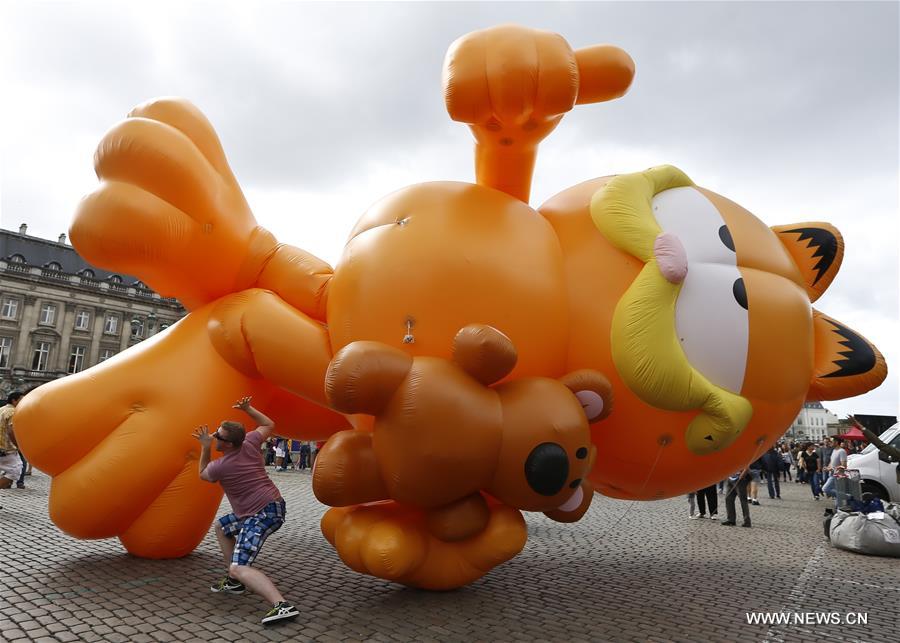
{"x": 264, "y": 423}
{"x": 205, "y": 439}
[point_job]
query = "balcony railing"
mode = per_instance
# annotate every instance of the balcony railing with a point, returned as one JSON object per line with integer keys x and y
{"x": 89, "y": 282}
{"x": 46, "y": 374}
{"x": 54, "y": 274}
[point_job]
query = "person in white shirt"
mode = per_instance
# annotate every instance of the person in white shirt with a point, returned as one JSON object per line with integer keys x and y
{"x": 838, "y": 463}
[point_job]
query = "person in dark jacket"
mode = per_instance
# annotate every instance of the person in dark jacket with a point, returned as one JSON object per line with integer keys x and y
{"x": 812, "y": 466}
{"x": 824, "y": 453}
{"x": 772, "y": 463}
{"x": 707, "y": 498}
{"x": 736, "y": 487}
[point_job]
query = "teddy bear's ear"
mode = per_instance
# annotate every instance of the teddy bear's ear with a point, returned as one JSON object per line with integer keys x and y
{"x": 484, "y": 353}
{"x": 363, "y": 376}
{"x": 594, "y": 392}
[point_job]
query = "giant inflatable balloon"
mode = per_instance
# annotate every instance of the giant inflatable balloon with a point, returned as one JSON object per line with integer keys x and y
{"x": 470, "y": 357}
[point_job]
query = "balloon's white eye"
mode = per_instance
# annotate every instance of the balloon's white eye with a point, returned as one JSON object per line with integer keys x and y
{"x": 711, "y": 315}
{"x": 713, "y": 325}
{"x": 687, "y": 213}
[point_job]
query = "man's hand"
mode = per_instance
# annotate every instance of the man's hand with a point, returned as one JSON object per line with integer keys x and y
{"x": 264, "y": 423}
{"x": 243, "y": 404}
{"x": 202, "y": 434}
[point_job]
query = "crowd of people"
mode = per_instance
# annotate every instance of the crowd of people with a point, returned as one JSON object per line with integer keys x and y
{"x": 801, "y": 462}
{"x": 285, "y": 454}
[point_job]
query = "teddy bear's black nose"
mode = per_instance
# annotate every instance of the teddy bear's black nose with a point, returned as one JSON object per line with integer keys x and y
{"x": 547, "y": 468}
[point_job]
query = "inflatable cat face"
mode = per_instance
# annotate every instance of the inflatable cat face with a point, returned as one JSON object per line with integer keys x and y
{"x": 712, "y": 324}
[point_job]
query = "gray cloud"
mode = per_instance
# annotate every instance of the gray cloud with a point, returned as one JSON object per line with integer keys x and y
{"x": 788, "y": 108}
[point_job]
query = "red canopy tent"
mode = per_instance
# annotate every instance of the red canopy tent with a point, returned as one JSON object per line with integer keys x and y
{"x": 853, "y": 434}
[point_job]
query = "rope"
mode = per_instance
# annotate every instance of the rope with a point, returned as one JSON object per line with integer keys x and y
{"x": 662, "y": 446}
{"x": 643, "y": 486}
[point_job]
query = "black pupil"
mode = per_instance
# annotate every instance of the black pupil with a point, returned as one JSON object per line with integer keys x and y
{"x": 547, "y": 468}
{"x": 740, "y": 293}
{"x": 725, "y": 236}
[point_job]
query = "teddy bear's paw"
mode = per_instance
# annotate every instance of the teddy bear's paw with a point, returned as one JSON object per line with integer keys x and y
{"x": 393, "y": 542}
{"x": 346, "y": 471}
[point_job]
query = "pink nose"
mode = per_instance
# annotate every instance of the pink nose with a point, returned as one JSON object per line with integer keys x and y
{"x": 670, "y": 257}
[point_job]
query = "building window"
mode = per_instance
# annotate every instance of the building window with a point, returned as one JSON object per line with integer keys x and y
{"x": 137, "y": 328}
{"x": 111, "y": 326}
{"x": 41, "y": 356}
{"x": 106, "y": 353}
{"x": 54, "y": 266}
{"x": 10, "y": 308}
{"x": 82, "y": 320}
{"x": 116, "y": 279}
{"x": 76, "y": 359}
{"x": 48, "y": 314}
{"x": 5, "y": 351}
{"x": 87, "y": 272}
{"x": 17, "y": 259}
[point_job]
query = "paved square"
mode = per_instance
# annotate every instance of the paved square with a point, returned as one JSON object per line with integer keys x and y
{"x": 626, "y": 572}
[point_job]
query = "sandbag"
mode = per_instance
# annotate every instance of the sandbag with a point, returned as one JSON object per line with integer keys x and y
{"x": 893, "y": 510}
{"x": 876, "y": 534}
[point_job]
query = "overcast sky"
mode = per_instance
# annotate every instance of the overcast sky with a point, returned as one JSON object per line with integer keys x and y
{"x": 789, "y": 109}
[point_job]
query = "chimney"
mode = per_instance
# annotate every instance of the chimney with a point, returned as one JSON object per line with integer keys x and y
{"x": 23, "y": 228}
{"x": 62, "y": 238}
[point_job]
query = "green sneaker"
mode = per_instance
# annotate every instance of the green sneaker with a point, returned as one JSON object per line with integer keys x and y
{"x": 229, "y": 586}
{"x": 280, "y": 612}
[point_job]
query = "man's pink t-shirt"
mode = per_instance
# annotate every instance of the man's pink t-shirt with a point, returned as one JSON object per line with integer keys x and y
{"x": 243, "y": 476}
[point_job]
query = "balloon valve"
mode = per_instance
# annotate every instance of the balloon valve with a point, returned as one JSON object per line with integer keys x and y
{"x": 408, "y": 338}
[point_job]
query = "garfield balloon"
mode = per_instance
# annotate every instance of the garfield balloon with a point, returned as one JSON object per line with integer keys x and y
{"x": 456, "y": 309}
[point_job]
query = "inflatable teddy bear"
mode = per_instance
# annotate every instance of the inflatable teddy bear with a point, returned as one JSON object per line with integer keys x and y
{"x": 442, "y": 436}
{"x": 698, "y": 313}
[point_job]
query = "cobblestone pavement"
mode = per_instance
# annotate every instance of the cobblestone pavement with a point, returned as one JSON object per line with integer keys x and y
{"x": 626, "y": 572}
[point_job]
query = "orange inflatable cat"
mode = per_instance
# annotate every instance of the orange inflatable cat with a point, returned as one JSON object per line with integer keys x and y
{"x": 698, "y": 314}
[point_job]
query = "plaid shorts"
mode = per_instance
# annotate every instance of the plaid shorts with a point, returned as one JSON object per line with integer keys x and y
{"x": 251, "y": 532}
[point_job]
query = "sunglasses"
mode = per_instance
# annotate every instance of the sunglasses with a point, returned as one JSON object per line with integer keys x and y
{"x": 218, "y": 436}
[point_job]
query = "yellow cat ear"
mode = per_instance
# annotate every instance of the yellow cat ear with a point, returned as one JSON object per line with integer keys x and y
{"x": 846, "y": 363}
{"x": 817, "y": 249}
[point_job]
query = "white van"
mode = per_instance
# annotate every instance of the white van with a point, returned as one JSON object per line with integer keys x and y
{"x": 877, "y": 471}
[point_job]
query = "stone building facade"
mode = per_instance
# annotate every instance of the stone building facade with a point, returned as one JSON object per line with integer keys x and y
{"x": 813, "y": 423}
{"x": 60, "y": 315}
